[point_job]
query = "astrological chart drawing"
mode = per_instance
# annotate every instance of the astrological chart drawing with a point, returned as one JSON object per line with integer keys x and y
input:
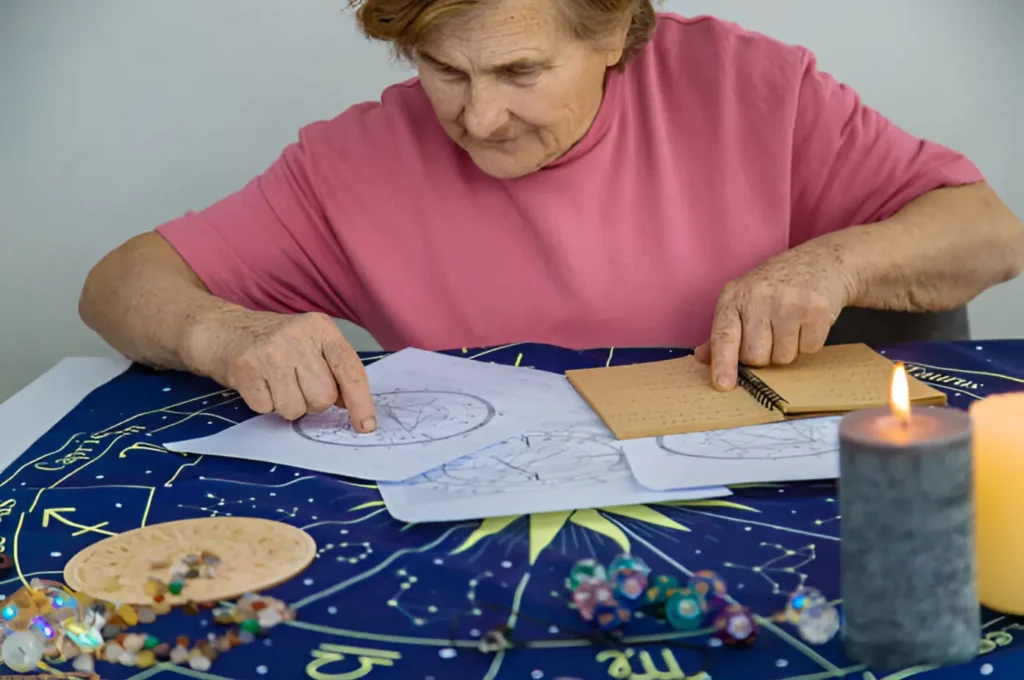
{"x": 403, "y": 418}
{"x": 800, "y": 438}
{"x": 559, "y": 467}
{"x": 536, "y": 461}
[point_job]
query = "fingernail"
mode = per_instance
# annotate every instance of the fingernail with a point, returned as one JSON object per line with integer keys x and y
{"x": 369, "y": 425}
{"x": 721, "y": 381}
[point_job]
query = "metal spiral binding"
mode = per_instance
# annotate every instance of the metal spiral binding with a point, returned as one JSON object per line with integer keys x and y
{"x": 765, "y": 395}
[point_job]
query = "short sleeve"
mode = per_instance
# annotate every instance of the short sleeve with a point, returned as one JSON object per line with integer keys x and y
{"x": 853, "y": 166}
{"x": 269, "y": 246}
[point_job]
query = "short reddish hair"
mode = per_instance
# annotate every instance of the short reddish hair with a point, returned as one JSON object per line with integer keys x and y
{"x": 405, "y": 23}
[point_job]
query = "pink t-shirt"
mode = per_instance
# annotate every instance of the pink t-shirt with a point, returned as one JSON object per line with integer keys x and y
{"x": 713, "y": 151}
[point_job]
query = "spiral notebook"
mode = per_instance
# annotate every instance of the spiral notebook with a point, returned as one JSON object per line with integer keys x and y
{"x": 676, "y": 396}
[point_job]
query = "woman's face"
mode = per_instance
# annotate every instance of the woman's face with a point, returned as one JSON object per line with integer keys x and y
{"x": 512, "y": 86}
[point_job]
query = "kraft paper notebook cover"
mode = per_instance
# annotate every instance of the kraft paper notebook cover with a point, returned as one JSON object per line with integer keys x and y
{"x": 676, "y": 396}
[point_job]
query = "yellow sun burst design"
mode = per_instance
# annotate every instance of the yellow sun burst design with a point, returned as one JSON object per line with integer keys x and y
{"x": 543, "y": 527}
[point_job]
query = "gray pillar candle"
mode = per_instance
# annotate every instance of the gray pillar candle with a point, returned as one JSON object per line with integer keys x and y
{"x": 908, "y": 565}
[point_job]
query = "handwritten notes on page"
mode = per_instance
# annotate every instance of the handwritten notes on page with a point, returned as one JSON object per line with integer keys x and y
{"x": 839, "y": 378}
{"x": 789, "y": 451}
{"x": 431, "y": 409}
{"x": 665, "y": 397}
{"x": 566, "y": 460}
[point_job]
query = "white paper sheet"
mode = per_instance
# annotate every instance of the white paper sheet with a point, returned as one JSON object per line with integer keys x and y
{"x": 790, "y": 451}
{"x": 431, "y": 409}
{"x": 567, "y": 461}
{"x": 30, "y": 413}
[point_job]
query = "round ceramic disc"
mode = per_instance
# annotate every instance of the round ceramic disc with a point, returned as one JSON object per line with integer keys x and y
{"x": 256, "y": 554}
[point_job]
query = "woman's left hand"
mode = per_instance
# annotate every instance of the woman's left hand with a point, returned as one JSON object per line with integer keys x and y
{"x": 781, "y": 309}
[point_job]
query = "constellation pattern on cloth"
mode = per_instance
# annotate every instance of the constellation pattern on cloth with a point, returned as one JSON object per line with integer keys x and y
{"x": 403, "y": 417}
{"x": 469, "y": 577}
{"x": 790, "y": 439}
{"x": 555, "y": 458}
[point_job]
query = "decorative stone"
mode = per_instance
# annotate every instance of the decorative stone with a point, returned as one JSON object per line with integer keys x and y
{"x": 245, "y": 637}
{"x": 162, "y": 651}
{"x": 179, "y": 655}
{"x": 190, "y": 560}
{"x": 84, "y": 663}
{"x": 174, "y": 587}
{"x": 110, "y": 631}
{"x": 251, "y": 626}
{"x": 112, "y": 652}
{"x": 200, "y": 663}
{"x": 192, "y": 573}
{"x": 130, "y": 659}
{"x": 146, "y": 615}
{"x": 268, "y": 618}
{"x": 154, "y": 587}
{"x": 133, "y": 642}
{"x": 147, "y": 659}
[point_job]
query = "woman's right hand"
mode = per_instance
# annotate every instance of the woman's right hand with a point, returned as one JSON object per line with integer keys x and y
{"x": 289, "y": 364}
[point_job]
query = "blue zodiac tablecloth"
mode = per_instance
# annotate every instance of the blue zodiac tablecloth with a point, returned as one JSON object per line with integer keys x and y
{"x": 385, "y": 599}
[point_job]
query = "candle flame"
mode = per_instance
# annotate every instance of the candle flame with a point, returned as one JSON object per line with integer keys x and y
{"x": 899, "y": 394}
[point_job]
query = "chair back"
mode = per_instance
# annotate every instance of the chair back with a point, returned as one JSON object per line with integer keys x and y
{"x": 876, "y": 328}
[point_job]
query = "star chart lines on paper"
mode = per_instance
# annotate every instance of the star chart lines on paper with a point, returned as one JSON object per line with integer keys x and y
{"x": 558, "y": 457}
{"x": 403, "y": 417}
{"x": 790, "y": 439}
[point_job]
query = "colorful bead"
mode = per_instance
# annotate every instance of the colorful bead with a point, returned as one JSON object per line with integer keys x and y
{"x": 610, "y": 616}
{"x": 818, "y": 624}
{"x": 178, "y": 655}
{"x": 22, "y": 651}
{"x": 630, "y": 586}
{"x": 174, "y": 587}
{"x": 589, "y": 595}
{"x": 146, "y": 659}
{"x": 586, "y": 570}
{"x": 251, "y": 626}
{"x": 802, "y": 599}
{"x": 707, "y": 584}
{"x": 627, "y": 561}
{"x": 735, "y": 626}
{"x": 658, "y": 589}
{"x": 685, "y": 609}
{"x": 9, "y": 612}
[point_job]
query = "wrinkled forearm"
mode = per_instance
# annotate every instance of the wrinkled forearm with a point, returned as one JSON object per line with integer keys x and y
{"x": 144, "y": 301}
{"x": 937, "y": 253}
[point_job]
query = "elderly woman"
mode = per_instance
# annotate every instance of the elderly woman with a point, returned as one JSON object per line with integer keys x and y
{"x": 577, "y": 172}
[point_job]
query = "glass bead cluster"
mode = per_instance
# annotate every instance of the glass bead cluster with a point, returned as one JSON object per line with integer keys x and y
{"x": 46, "y": 623}
{"x": 609, "y": 597}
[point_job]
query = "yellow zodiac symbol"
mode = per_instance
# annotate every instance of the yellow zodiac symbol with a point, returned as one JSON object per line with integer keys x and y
{"x": 365, "y": 658}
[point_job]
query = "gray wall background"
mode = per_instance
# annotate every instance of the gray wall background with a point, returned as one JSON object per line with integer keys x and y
{"x": 116, "y": 116}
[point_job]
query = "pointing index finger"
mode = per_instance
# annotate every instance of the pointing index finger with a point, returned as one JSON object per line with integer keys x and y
{"x": 726, "y": 334}
{"x": 353, "y": 385}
